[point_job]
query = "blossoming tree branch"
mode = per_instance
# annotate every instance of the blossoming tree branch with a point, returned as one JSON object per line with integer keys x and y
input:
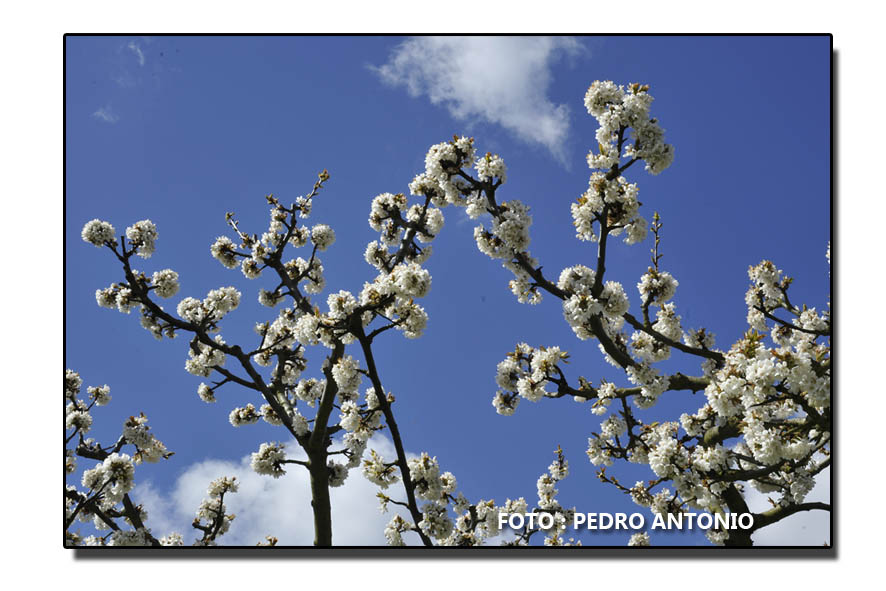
{"x": 765, "y": 423}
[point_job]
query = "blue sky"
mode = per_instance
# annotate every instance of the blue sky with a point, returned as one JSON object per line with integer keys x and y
{"x": 181, "y": 130}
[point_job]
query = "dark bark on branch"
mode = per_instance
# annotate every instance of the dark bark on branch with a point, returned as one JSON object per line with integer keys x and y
{"x": 395, "y": 431}
{"x": 778, "y": 513}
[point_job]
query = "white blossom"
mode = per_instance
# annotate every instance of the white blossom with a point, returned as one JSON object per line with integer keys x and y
{"x": 165, "y": 283}
{"x": 142, "y": 235}
{"x": 268, "y": 458}
{"x": 98, "y": 233}
{"x": 322, "y": 236}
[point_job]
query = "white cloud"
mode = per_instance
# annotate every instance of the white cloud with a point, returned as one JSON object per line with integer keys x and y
{"x": 267, "y": 506}
{"x": 107, "y": 115}
{"x": 500, "y": 80}
{"x": 806, "y": 528}
{"x": 124, "y": 79}
{"x": 134, "y": 48}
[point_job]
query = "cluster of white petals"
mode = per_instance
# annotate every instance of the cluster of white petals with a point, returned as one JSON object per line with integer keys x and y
{"x": 491, "y": 166}
{"x": 213, "y": 307}
{"x": 526, "y": 372}
{"x": 347, "y": 377}
{"x": 657, "y": 287}
{"x": 310, "y": 390}
{"x": 211, "y": 514}
{"x": 268, "y": 459}
{"x": 394, "y": 530}
{"x": 149, "y": 448}
{"x": 652, "y": 349}
{"x": 442, "y": 164}
{"x": 322, "y": 236}
{"x": 246, "y": 415}
{"x": 611, "y": 203}
{"x": 582, "y": 306}
{"x": 115, "y": 297}
{"x": 379, "y": 472}
{"x": 114, "y": 477}
{"x": 435, "y": 520}
{"x": 99, "y": 233}
{"x": 338, "y": 473}
{"x": 393, "y": 295}
{"x": 223, "y": 249}
{"x": 360, "y": 422}
{"x": 617, "y": 109}
{"x": 165, "y": 283}
{"x": 142, "y": 235}
{"x": 137, "y": 537}
{"x": 201, "y": 362}
{"x": 430, "y": 483}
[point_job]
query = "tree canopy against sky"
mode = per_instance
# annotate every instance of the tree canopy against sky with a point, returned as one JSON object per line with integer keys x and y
{"x": 182, "y": 130}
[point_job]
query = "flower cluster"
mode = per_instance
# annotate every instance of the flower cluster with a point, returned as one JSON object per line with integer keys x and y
{"x": 611, "y": 203}
{"x": 618, "y": 109}
{"x": 322, "y": 236}
{"x": 165, "y": 283}
{"x": 473, "y": 524}
{"x": 212, "y": 518}
{"x": 213, "y": 307}
{"x": 435, "y": 520}
{"x": 99, "y": 233}
{"x": 581, "y": 306}
{"x": 652, "y": 349}
{"x": 148, "y": 448}
{"x": 445, "y": 182}
{"x": 398, "y": 257}
{"x": 379, "y": 472}
{"x": 360, "y": 422}
{"x": 430, "y": 484}
{"x": 269, "y": 459}
{"x": 656, "y": 287}
{"x": 244, "y": 416}
{"x": 338, "y": 473}
{"x": 556, "y": 518}
{"x": 116, "y": 296}
{"x": 142, "y": 236}
{"x": 202, "y": 358}
{"x": 394, "y": 530}
{"x": 440, "y": 180}
{"x": 347, "y": 377}
{"x": 392, "y": 295}
{"x": 112, "y": 478}
{"x": 526, "y": 373}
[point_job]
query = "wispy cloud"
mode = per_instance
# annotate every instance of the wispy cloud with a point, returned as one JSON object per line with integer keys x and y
{"x": 107, "y": 115}
{"x": 134, "y": 48}
{"x": 500, "y": 80}
{"x": 124, "y": 79}
{"x": 267, "y": 506}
